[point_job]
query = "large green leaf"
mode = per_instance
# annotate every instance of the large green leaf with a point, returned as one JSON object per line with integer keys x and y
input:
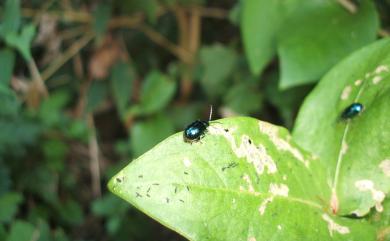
{"x": 356, "y": 152}
{"x": 309, "y": 36}
{"x": 245, "y": 180}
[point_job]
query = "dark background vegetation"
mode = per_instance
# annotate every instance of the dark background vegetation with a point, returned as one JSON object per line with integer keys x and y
{"x": 102, "y": 84}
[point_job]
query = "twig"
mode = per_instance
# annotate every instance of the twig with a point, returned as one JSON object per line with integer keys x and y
{"x": 42, "y": 11}
{"x": 195, "y": 30}
{"x": 68, "y": 54}
{"x": 129, "y": 22}
{"x": 83, "y": 93}
{"x": 72, "y": 32}
{"x": 67, "y": 16}
{"x": 181, "y": 20}
{"x": 121, "y": 21}
{"x": 37, "y": 78}
{"x": 347, "y": 4}
{"x": 94, "y": 155}
{"x": 213, "y": 13}
{"x": 159, "y": 39}
{"x": 194, "y": 27}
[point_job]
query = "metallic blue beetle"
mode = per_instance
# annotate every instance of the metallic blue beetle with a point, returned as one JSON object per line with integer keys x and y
{"x": 351, "y": 111}
{"x": 196, "y": 130}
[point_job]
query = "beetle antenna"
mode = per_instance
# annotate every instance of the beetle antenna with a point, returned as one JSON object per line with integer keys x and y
{"x": 211, "y": 112}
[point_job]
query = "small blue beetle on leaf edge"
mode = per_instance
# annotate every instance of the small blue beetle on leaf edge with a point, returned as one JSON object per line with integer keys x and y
{"x": 352, "y": 110}
{"x": 196, "y": 130}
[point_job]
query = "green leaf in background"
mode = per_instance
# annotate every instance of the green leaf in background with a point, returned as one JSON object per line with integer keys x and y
{"x": 287, "y": 101}
{"x": 113, "y": 208}
{"x": 260, "y": 23}
{"x": 9, "y": 104}
{"x": 55, "y": 152}
{"x": 7, "y": 62}
{"x": 16, "y": 134}
{"x": 60, "y": 235}
{"x": 146, "y": 134}
{"x": 11, "y": 18}
{"x": 217, "y": 63}
{"x": 101, "y": 15}
{"x": 44, "y": 231}
{"x": 149, "y": 7}
{"x": 156, "y": 92}
{"x": 183, "y": 115}
{"x": 96, "y": 95}
{"x": 235, "y": 13}
{"x": 3, "y": 233}
{"x": 356, "y": 152}
{"x": 71, "y": 212}
{"x": 245, "y": 180}
{"x": 319, "y": 35}
{"x": 78, "y": 130}
{"x": 51, "y": 108}
{"x": 109, "y": 205}
{"x": 244, "y": 98}
{"x": 9, "y": 204}
{"x": 316, "y": 36}
{"x": 22, "y": 41}
{"x": 122, "y": 79}
{"x": 44, "y": 179}
{"x": 22, "y": 231}
{"x": 5, "y": 178}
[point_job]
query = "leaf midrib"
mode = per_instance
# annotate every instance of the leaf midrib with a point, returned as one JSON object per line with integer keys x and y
{"x": 240, "y": 192}
{"x": 343, "y": 138}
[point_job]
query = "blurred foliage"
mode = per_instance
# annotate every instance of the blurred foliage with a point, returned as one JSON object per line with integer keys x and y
{"x": 87, "y": 86}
